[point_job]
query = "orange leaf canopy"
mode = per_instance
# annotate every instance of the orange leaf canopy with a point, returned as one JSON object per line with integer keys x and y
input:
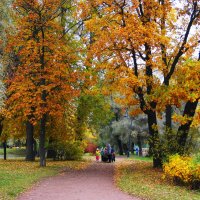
{"x": 45, "y": 62}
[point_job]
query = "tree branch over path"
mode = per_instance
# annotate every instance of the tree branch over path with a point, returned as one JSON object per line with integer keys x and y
{"x": 195, "y": 14}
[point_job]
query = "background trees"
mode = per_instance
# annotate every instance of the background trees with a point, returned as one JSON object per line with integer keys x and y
{"x": 139, "y": 45}
{"x": 68, "y": 55}
{"x": 6, "y": 23}
{"x": 42, "y": 84}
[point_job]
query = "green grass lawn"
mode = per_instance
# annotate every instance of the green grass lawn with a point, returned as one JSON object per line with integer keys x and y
{"x": 14, "y": 151}
{"x": 18, "y": 175}
{"x": 138, "y": 178}
{"x": 135, "y": 157}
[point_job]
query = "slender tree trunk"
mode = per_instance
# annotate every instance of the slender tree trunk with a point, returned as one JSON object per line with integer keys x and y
{"x": 4, "y": 150}
{"x": 43, "y": 98}
{"x": 1, "y": 125}
{"x": 79, "y": 131}
{"x": 125, "y": 148}
{"x": 154, "y": 139}
{"x": 132, "y": 147}
{"x": 4, "y": 143}
{"x": 51, "y": 153}
{"x": 35, "y": 147}
{"x": 30, "y": 154}
{"x": 139, "y": 144}
{"x": 119, "y": 142}
{"x": 183, "y": 130}
{"x": 168, "y": 112}
{"x": 42, "y": 141}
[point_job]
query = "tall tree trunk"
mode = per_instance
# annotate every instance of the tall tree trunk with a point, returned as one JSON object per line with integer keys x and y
{"x": 125, "y": 148}
{"x": 30, "y": 154}
{"x": 42, "y": 141}
{"x": 4, "y": 150}
{"x": 154, "y": 139}
{"x": 119, "y": 142}
{"x": 43, "y": 98}
{"x": 168, "y": 112}
{"x": 79, "y": 130}
{"x": 183, "y": 130}
{"x": 132, "y": 147}
{"x": 168, "y": 109}
{"x": 4, "y": 143}
{"x": 139, "y": 144}
{"x": 1, "y": 125}
{"x": 51, "y": 153}
{"x": 129, "y": 145}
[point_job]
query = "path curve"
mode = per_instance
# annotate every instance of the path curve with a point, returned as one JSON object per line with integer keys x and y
{"x": 93, "y": 183}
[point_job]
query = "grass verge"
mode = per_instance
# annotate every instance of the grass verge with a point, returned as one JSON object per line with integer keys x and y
{"x": 138, "y": 178}
{"x": 141, "y": 158}
{"x": 16, "y": 176}
{"x": 14, "y": 151}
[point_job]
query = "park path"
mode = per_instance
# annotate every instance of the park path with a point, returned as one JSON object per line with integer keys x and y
{"x": 94, "y": 183}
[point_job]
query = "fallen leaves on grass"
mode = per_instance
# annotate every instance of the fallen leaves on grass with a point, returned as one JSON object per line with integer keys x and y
{"x": 18, "y": 175}
{"x": 140, "y": 179}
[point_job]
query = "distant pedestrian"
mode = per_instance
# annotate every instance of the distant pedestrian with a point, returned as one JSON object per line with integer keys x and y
{"x": 102, "y": 153}
{"x": 109, "y": 153}
{"x": 137, "y": 151}
{"x": 97, "y": 154}
{"x": 113, "y": 155}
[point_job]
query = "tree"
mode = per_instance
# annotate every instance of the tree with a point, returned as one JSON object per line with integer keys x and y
{"x": 139, "y": 45}
{"x": 5, "y": 22}
{"x": 189, "y": 91}
{"x": 44, "y": 79}
{"x": 93, "y": 112}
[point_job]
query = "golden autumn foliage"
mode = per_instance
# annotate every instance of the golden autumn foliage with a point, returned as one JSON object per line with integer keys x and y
{"x": 45, "y": 63}
{"x": 182, "y": 169}
{"x": 137, "y": 44}
{"x": 179, "y": 167}
{"x": 63, "y": 128}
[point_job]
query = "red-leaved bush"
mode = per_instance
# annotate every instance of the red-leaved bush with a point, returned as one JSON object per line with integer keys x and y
{"x": 90, "y": 148}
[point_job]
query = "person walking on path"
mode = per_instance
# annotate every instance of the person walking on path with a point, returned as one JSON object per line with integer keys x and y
{"x": 113, "y": 154}
{"x": 109, "y": 153}
{"x": 97, "y": 154}
{"x": 102, "y": 154}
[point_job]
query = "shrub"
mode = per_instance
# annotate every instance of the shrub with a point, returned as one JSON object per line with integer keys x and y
{"x": 68, "y": 150}
{"x": 90, "y": 148}
{"x": 196, "y": 178}
{"x": 183, "y": 170}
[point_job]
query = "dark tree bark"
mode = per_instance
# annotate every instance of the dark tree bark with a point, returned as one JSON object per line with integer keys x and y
{"x": 35, "y": 147}
{"x": 79, "y": 131}
{"x": 125, "y": 148}
{"x": 119, "y": 142}
{"x": 168, "y": 112}
{"x": 139, "y": 144}
{"x": 4, "y": 143}
{"x": 30, "y": 153}
{"x": 4, "y": 150}
{"x": 182, "y": 49}
{"x": 132, "y": 147}
{"x": 183, "y": 130}
{"x": 42, "y": 141}
{"x": 51, "y": 153}
{"x": 1, "y": 125}
{"x": 43, "y": 98}
{"x": 154, "y": 139}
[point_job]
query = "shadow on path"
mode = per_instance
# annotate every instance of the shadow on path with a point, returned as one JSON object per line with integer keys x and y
{"x": 93, "y": 183}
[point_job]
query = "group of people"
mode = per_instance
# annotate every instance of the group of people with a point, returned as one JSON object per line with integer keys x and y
{"x": 107, "y": 154}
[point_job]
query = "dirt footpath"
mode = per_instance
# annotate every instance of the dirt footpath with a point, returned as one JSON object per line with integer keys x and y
{"x": 93, "y": 183}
